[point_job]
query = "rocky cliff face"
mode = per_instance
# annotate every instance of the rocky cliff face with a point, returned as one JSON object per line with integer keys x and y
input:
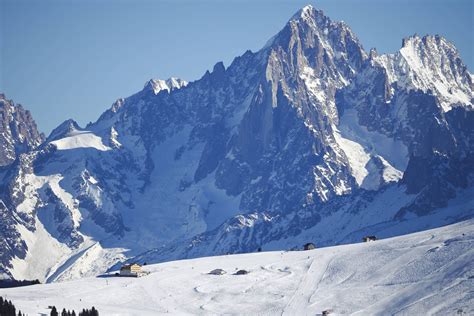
{"x": 18, "y": 131}
{"x": 18, "y": 135}
{"x": 310, "y": 138}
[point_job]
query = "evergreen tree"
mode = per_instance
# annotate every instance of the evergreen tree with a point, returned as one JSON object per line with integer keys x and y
{"x": 7, "y": 308}
{"x": 54, "y": 311}
{"x": 94, "y": 312}
{"x": 89, "y": 312}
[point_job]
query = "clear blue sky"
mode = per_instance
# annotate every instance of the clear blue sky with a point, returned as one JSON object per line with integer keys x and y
{"x": 73, "y": 59}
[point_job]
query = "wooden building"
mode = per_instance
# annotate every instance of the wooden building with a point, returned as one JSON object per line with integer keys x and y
{"x": 369, "y": 238}
{"x": 131, "y": 270}
{"x": 309, "y": 246}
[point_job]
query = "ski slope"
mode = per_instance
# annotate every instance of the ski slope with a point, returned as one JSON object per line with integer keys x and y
{"x": 426, "y": 273}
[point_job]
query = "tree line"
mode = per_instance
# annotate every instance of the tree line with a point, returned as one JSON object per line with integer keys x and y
{"x": 15, "y": 283}
{"x": 84, "y": 312}
{"x": 8, "y": 309}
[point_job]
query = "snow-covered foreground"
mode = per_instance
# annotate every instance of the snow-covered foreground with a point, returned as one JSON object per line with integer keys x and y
{"x": 430, "y": 272}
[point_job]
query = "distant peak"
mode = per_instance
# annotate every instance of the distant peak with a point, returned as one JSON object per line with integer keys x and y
{"x": 219, "y": 67}
{"x": 307, "y": 8}
{"x": 415, "y": 45}
{"x": 311, "y": 24}
{"x": 170, "y": 84}
{"x": 307, "y": 13}
{"x": 415, "y": 39}
{"x": 317, "y": 20}
{"x": 65, "y": 129}
{"x": 117, "y": 105}
{"x": 410, "y": 40}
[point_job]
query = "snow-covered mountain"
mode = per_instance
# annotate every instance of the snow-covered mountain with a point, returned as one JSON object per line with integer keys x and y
{"x": 427, "y": 273}
{"x": 309, "y": 139}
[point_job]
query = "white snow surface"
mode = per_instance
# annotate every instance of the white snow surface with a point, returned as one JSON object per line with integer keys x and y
{"x": 360, "y": 145}
{"x": 164, "y": 208}
{"x": 426, "y": 273}
{"x": 80, "y": 139}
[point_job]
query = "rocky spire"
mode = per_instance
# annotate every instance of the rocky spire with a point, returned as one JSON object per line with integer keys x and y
{"x": 18, "y": 131}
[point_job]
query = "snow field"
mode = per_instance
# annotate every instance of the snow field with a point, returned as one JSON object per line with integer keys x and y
{"x": 425, "y": 273}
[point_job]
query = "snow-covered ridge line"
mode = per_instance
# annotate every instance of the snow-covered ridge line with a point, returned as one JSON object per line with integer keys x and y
{"x": 80, "y": 139}
{"x": 170, "y": 84}
{"x": 69, "y": 136}
{"x": 430, "y": 63}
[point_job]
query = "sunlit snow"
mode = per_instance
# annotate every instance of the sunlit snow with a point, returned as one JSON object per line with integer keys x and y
{"x": 419, "y": 274}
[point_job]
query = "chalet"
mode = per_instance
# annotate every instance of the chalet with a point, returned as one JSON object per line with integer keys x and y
{"x": 369, "y": 238}
{"x": 217, "y": 272}
{"x": 131, "y": 270}
{"x": 309, "y": 246}
{"x": 241, "y": 272}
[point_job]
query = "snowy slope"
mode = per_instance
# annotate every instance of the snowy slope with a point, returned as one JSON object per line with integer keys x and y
{"x": 83, "y": 139}
{"x": 430, "y": 272}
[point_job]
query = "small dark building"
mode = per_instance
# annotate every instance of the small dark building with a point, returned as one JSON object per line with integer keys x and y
{"x": 217, "y": 272}
{"x": 327, "y": 312}
{"x": 369, "y": 238}
{"x": 241, "y": 272}
{"x": 309, "y": 246}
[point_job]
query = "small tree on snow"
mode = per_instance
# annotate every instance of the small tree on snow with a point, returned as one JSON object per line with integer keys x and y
{"x": 54, "y": 311}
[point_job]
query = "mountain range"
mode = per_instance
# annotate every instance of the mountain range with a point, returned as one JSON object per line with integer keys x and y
{"x": 311, "y": 138}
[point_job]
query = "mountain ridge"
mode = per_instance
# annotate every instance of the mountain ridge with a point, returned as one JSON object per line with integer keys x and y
{"x": 18, "y": 133}
{"x": 292, "y": 142}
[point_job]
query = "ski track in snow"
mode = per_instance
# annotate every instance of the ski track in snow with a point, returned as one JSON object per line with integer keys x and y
{"x": 428, "y": 272}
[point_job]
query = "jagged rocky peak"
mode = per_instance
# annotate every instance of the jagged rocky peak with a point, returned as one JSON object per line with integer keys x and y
{"x": 435, "y": 42}
{"x": 117, "y": 105}
{"x": 329, "y": 48}
{"x": 170, "y": 84}
{"x": 67, "y": 128}
{"x": 313, "y": 56}
{"x": 312, "y": 16}
{"x": 434, "y": 51}
{"x": 433, "y": 65}
{"x": 18, "y": 131}
{"x": 321, "y": 26}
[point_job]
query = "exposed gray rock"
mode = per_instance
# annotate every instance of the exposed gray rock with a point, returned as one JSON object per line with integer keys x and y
{"x": 18, "y": 131}
{"x": 310, "y": 138}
